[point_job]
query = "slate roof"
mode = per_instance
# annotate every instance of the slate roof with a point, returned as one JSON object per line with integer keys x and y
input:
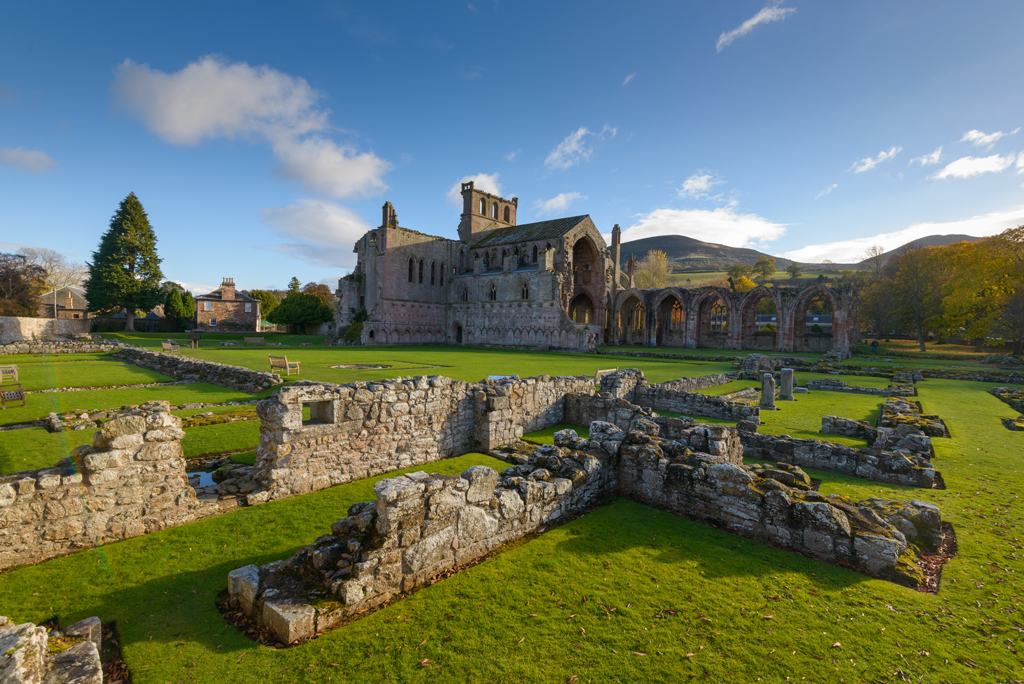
{"x": 216, "y": 295}
{"x": 530, "y": 232}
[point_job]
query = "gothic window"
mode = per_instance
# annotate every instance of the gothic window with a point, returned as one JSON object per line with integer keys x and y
{"x": 462, "y": 259}
{"x": 442, "y": 274}
{"x": 494, "y": 210}
{"x": 483, "y": 206}
{"x": 508, "y": 215}
{"x": 421, "y": 271}
{"x": 638, "y": 318}
{"x": 433, "y": 271}
{"x": 464, "y": 294}
{"x": 677, "y": 316}
{"x": 492, "y": 294}
{"x": 412, "y": 266}
{"x": 719, "y": 317}
{"x": 535, "y": 254}
{"x": 525, "y": 293}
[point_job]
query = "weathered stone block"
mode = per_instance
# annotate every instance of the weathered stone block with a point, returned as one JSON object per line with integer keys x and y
{"x": 290, "y": 621}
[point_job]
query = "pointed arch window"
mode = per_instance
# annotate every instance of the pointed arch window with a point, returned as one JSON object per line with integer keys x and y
{"x": 483, "y": 206}
{"x": 412, "y": 267}
{"x": 492, "y": 294}
{"x": 525, "y": 291}
{"x": 421, "y": 271}
{"x": 464, "y": 294}
{"x": 494, "y": 210}
{"x": 433, "y": 272}
{"x": 508, "y": 215}
{"x": 535, "y": 254}
{"x": 442, "y": 274}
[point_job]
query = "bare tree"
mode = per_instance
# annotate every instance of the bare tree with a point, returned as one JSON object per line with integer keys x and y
{"x": 60, "y": 272}
{"x": 874, "y": 259}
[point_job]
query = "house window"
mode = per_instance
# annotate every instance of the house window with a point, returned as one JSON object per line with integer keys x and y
{"x": 248, "y": 308}
{"x": 213, "y": 322}
{"x": 207, "y": 306}
{"x": 362, "y": 305}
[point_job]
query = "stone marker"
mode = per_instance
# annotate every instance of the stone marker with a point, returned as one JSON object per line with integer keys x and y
{"x": 768, "y": 392}
{"x": 786, "y": 393}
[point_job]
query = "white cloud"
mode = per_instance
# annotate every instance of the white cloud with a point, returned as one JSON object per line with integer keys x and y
{"x": 699, "y": 185}
{"x": 26, "y": 160}
{"x": 574, "y": 147}
{"x": 211, "y": 98}
{"x": 196, "y": 289}
{"x": 965, "y": 167}
{"x": 928, "y": 159}
{"x": 320, "y": 233}
{"x": 981, "y": 139}
{"x": 512, "y": 155}
{"x": 557, "y": 203}
{"x": 868, "y": 163}
{"x": 828, "y": 190}
{"x": 1020, "y": 162}
{"x": 488, "y": 182}
{"x": 722, "y": 225}
{"x": 769, "y": 14}
{"x": 629, "y": 78}
{"x": 849, "y": 251}
{"x": 473, "y": 74}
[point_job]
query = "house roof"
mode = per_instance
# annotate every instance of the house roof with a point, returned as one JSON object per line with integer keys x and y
{"x": 529, "y": 232}
{"x": 216, "y": 296}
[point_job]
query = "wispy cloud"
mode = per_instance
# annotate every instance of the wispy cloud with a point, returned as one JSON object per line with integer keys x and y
{"x": 827, "y": 191}
{"x": 868, "y": 163}
{"x": 473, "y": 74}
{"x": 965, "y": 167}
{"x": 698, "y": 185}
{"x": 928, "y": 159}
{"x": 19, "y": 158}
{"x": 513, "y": 154}
{"x": 723, "y": 225}
{"x": 981, "y": 139}
{"x": 318, "y": 232}
{"x": 195, "y": 288}
{"x": 559, "y": 202}
{"x": 846, "y": 251}
{"x": 212, "y": 98}
{"x": 629, "y": 78}
{"x": 488, "y": 182}
{"x": 575, "y": 148}
{"x": 770, "y": 13}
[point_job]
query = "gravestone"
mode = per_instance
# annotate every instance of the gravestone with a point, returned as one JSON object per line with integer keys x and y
{"x": 768, "y": 392}
{"x": 786, "y": 392}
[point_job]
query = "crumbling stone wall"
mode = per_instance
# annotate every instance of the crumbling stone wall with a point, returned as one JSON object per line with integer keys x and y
{"x": 508, "y": 409}
{"x": 130, "y": 482}
{"x": 58, "y": 347}
{"x": 196, "y": 370}
{"x": 898, "y": 411}
{"x": 22, "y": 329}
{"x": 630, "y": 384}
{"x": 29, "y": 654}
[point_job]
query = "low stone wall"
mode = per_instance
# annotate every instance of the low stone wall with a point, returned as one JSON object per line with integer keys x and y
{"x": 34, "y": 655}
{"x": 899, "y": 466}
{"x": 653, "y": 355}
{"x": 893, "y": 390}
{"x": 18, "y": 329}
{"x": 846, "y": 427}
{"x": 421, "y": 525}
{"x": 898, "y": 411}
{"x": 196, "y": 370}
{"x": 363, "y": 429}
{"x": 695, "y": 384}
{"x": 977, "y": 376}
{"x": 58, "y": 347}
{"x": 131, "y": 481}
{"x": 1011, "y": 395}
{"x": 630, "y": 384}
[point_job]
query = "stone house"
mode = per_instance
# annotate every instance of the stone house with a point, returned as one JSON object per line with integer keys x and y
{"x": 227, "y": 310}
{"x": 65, "y": 302}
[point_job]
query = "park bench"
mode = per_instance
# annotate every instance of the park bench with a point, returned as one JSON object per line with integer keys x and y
{"x": 9, "y": 373}
{"x": 254, "y": 340}
{"x": 12, "y": 396}
{"x": 282, "y": 363}
{"x": 170, "y": 347}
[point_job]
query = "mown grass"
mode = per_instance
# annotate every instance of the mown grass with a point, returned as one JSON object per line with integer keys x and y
{"x": 104, "y": 372}
{"x": 689, "y": 600}
{"x": 211, "y": 340}
{"x": 547, "y": 435}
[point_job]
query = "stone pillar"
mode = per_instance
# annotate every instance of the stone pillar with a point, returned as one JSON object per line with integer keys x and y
{"x": 786, "y": 394}
{"x": 768, "y": 392}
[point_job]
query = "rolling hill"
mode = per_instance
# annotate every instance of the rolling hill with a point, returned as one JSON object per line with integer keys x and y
{"x": 689, "y": 254}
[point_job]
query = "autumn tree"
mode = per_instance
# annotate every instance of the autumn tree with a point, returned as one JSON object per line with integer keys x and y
{"x": 60, "y": 271}
{"x": 916, "y": 288}
{"x": 795, "y": 270}
{"x": 20, "y": 283}
{"x": 321, "y": 291}
{"x": 653, "y": 271}
{"x": 743, "y": 284}
{"x": 737, "y": 271}
{"x": 765, "y": 267}
{"x": 874, "y": 260}
{"x": 268, "y": 300}
{"x": 125, "y": 270}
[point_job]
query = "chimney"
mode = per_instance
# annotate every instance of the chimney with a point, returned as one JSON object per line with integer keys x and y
{"x": 227, "y": 289}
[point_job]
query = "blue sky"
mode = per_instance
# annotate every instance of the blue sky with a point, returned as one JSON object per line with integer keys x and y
{"x": 263, "y": 138}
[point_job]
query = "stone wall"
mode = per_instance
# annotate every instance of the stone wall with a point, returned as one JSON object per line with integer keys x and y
{"x": 697, "y": 383}
{"x": 846, "y": 427}
{"x": 367, "y": 428}
{"x": 130, "y": 482}
{"x": 58, "y": 347}
{"x": 18, "y": 329}
{"x": 630, "y": 384}
{"x": 31, "y": 654}
{"x": 898, "y": 466}
{"x": 196, "y": 370}
{"x": 422, "y": 525}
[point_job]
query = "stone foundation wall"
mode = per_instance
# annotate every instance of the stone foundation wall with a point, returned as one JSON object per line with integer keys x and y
{"x": 131, "y": 482}
{"x": 363, "y": 429}
{"x": 58, "y": 347}
{"x": 630, "y": 384}
{"x": 195, "y": 370}
{"x": 846, "y": 427}
{"x": 695, "y": 384}
{"x": 899, "y": 466}
{"x": 19, "y": 329}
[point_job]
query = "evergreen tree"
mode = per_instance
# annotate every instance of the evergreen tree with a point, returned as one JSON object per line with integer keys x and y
{"x": 125, "y": 269}
{"x": 268, "y": 301}
{"x": 294, "y": 285}
{"x": 174, "y": 309}
{"x": 188, "y": 308}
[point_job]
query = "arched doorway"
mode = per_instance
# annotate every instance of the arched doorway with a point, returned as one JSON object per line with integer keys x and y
{"x": 712, "y": 322}
{"x": 457, "y": 333}
{"x": 759, "y": 318}
{"x": 671, "y": 323}
{"x": 581, "y": 309}
{"x": 584, "y": 262}
{"x": 632, "y": 321}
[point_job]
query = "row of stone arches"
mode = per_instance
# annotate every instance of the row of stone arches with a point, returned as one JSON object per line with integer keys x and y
{"x": 421, "y": 274}
{"x": 517, "y": 337}
{"x": 714, "y": 317}
{"x": 404, "y": 335}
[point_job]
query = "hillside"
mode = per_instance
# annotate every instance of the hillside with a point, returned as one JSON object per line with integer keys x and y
{"x": 933, "y": 241}
{"x": 688, "y": 254}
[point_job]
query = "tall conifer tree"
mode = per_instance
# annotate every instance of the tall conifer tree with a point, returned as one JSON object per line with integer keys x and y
{"x": 125, "y": 270}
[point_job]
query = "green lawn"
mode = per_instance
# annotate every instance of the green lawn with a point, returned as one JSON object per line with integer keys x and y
{"x": 547, "y": 435}
{"x": 688, "y": 599}
{"x": 106, "y": 372}
{"x": 212, "y": 340}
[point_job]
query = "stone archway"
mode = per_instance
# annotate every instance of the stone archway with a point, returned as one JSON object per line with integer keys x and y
{"x": 713, "y": 322}
{"x": 632, "y": 321}
{"x": 760, "y": 320}
{"x": 813, "y": 319}
{"x": 457, "y": 333}
{"x": 581, "y": 309}
{"x": 670, "y": 322}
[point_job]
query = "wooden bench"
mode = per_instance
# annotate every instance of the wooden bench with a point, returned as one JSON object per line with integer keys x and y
{"x": 254, "y": 340}
{"x": 9, "y": 373}
{"x": 282, "y": 363}
{"x": 12, "y": 396}
{"x": 170, "y": 347}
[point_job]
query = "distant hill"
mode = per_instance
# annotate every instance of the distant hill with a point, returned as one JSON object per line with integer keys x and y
{"x": 933, "y": 241}
{"x": 688, "y": 254}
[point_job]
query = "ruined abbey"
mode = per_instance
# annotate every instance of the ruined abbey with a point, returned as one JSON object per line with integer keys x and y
{"x": 556, "y": 285}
